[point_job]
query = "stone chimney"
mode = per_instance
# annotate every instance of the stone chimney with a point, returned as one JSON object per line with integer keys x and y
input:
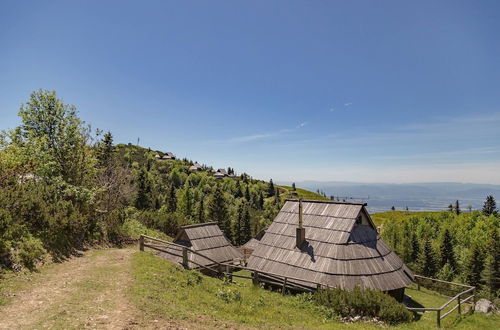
{"x": 301, "y": 231}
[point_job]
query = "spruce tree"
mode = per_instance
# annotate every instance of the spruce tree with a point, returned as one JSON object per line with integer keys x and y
{"x": 427, "y": 262}
{"x": 490, "y": 205}
{"x": 450, "y": 207}
{"x": 415, "y": 248}
{"x": 270, "y": 190}
{"x": 393, "y": 208}
{"x": 238, "y": 193}
{"x": 261, "y": 201}
{"x": 293, "y": 186}
{"x": 446, "y": 249}
{"x": 237, "y": 226}
{"x": 171, "y": 199}
{"x": 185, "y": 201}
{"x": 105, "y": 150}
{"x": 143, "y": 200}
{"x": 246, "y": 226}
{"x": 475, "y": 266}
{"x": 217, "y": 211}
{"x": 457, "y": 208}
{"x": 201, "y": 211}
{"x": 491, "y": 272}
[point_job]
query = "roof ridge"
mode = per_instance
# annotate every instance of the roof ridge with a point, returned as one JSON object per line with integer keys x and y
{"x": 325, "y": 201}
{"x": 199, "y": 225}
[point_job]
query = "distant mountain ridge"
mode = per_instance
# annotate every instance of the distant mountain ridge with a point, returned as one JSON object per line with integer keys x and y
{"x": 432, "y": 196}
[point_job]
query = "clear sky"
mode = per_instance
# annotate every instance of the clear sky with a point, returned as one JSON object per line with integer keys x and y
{"x": 371, "y": 91}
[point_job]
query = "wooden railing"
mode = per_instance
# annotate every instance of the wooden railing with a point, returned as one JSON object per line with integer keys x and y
{"x": 465, "y": 290}
{"x": 223, "y": 269}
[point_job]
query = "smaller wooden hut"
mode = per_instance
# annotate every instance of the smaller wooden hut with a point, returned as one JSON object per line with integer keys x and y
{"x": 206, "y": 239}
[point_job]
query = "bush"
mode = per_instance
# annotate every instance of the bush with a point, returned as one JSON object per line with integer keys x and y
{"x": 361, "y": 302}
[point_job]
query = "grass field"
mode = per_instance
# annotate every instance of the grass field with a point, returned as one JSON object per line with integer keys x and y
{"x": 301, "y": 193}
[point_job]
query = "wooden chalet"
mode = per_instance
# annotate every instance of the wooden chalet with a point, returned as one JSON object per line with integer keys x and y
{"x": 206, "y": 239}
{"x": 195, "y": 167}
{"x": 332, "y": 244}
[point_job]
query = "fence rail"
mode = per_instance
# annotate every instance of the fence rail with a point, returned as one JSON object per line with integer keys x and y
{"x": 224, "y": 269}
{"x": 458, "y": 297}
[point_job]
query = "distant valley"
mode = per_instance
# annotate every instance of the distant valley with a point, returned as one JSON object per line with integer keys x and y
{"x": 416, "y": 196}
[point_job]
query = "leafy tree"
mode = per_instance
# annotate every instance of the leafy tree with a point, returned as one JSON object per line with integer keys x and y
{"x": 490, "y": 205}
{"x": 446, "y": 248}
{"x": 475, "y": 266}
{"x": 427, "y": 262}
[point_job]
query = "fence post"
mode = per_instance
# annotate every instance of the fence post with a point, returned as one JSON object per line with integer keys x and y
{"x": 459, "y": 308}
{"x": 141, "y": 243}
{"x": 229, "y": 272}
{"x": 438, "y": 318}
{"x": 318, "y": 287}
{"x": 284, "y": 286}
{"x": 474, "y": 299}
{"x": 255, "y": 279}
{"x": 185, "y": 258}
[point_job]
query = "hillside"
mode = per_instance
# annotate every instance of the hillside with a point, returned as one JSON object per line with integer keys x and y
{"x": 136, "y": 290}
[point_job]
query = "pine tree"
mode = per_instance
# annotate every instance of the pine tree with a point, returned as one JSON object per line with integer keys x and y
{"x": 237, "y": 224}
{"x": 270, "y": 190}
{"x": 393, "y": 208}
{"x": 457, "y": 208}
{"x": 450, "y": 207}
{"x": 475, "y": 266}
{"x": 277, "y": 198}
{"x": 261, "y": 201}
{"x": 238, "y": 193}
{"x": 143, "y": 198}
{"x": 427, "y": 262}
{"x": 415, "y": 248}
{"x": 490, "y": 205}
{"x": 217, "y": 211}
{"x": 293, "y": 186}
{"x": 185, "y": 201}
{"x": 446, "y": 249}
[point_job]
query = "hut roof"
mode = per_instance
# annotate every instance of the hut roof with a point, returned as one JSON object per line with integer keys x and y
{"x": 337, "y": 251}
{"x": 205, "y": 238}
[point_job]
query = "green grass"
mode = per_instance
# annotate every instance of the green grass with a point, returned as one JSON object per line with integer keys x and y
{"x": 380, "y": 218}
{"x": 302, "y": 193}
{"x": 168, "y": 292}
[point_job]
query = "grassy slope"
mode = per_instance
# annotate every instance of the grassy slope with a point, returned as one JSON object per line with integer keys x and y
{"x": 302, "y": 193}
{"x": 165, "y": 290}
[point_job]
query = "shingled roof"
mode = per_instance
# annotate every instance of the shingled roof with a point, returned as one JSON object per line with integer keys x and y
{"x": 205, "y": 238}
{"x": 342, "y": 248}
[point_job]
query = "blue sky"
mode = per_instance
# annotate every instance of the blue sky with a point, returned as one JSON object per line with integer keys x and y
{"x": 371, "y": 91}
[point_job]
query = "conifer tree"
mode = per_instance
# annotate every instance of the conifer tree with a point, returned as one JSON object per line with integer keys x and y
{"x": 457, "y": 208}
{"x": 246, "y": 228}
{"x": 105, "y": 150}
{"x": 261, "y": 201}
{"x": 270, "y": 190}
{"x": 450, "y": 207}
{"x": 293, "y": 186}
{"x": 185, "y": 201}
{"x": 415, "y": 248}
{"x": 201, "y": 211}
{"x": 143, "y": 200}
{"x": 427, "y": 262}
{"x": 491, "y": 271}
{"x": 475, "y": 266}
{"x": 490, "y": 205}
{"x": 237, "y": 226}
{"x": 393, "y": 208}
{"x": 238, "y": 193}
{"x": 171, "y": 199}
{"x": 217, "y": 211}
{"x": 446, "y": 249}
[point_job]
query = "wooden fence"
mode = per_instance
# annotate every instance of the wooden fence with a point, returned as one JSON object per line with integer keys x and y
{"x": 226, "y": 270}
{"x": 465, "y": 294}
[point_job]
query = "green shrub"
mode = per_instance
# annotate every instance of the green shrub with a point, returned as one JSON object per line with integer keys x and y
{"x": 228, "y": 295}
{"x": 361, "y": 302}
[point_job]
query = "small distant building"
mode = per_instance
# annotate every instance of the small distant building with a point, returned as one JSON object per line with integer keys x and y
{"x": 168, "y": 155}
{"x": 330, "y": 243}
{"x": 208, "y": 240}
{"x": 219, "y": 175}
{"x": 157, "y": 156}
{"x": 195, "y": 167}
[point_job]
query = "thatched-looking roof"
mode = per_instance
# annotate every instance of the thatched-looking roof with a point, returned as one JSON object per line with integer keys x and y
{"x": 338, "y": 251}
{"x": 205, "y": 238}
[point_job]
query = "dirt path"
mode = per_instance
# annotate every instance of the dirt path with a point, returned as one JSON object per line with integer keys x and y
{"x": 84, "y": 292}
